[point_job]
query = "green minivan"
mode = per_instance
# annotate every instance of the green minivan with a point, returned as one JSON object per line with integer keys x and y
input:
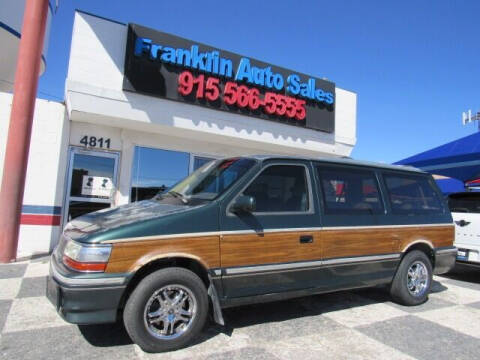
{"x": 251, "y": 229}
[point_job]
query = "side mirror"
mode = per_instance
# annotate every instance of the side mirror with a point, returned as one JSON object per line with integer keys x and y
{"x": 244, "y": 203}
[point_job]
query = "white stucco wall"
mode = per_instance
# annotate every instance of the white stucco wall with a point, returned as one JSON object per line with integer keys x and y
{"x": 44, "y": 185}
{"x": 5, "y": 109}
{"x": 94, "y": 94}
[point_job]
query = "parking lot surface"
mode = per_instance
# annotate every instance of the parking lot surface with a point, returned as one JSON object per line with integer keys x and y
{"x": 362, "y": 324}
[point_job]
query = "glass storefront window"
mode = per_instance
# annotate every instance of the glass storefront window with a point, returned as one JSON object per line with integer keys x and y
{"x": 155, "y": 170}
{"x": 199, "y": 161}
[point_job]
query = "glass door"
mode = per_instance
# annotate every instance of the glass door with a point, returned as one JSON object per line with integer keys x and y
{"x": 92, "y": 179}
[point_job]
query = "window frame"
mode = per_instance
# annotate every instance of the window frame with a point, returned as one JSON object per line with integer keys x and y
{"x": 352, "y": 169}
{"x": 311, "y": 206}
{"x": 416, "y": 212}
{"x": 193, "y": 155}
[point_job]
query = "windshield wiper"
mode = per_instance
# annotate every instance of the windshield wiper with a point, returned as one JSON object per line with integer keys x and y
{"x": 180, "y": 196}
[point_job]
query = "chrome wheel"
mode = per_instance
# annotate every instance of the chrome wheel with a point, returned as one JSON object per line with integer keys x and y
{"x": 170, "y": 312}
{"x": 417, "y": 279}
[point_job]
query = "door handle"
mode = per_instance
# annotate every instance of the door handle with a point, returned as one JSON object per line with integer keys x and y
{"x": 306, "y": 239}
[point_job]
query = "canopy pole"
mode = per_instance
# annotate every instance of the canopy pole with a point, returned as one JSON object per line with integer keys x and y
{"x": 20, "y": 127}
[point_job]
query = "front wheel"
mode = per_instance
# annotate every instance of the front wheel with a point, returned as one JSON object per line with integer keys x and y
{"x": 411, "y": 284}
{"x": 167, "y": 310}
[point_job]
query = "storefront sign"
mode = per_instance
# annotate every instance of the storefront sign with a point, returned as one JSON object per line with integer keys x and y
{"x": 96, "y": 186}
{"x": 167, "y": 66}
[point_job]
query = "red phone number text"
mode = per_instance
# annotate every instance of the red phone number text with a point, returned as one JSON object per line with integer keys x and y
{"x": 241, "y": 96}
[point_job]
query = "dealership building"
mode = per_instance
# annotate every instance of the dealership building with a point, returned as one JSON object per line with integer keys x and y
{"x": 144, "y": 109}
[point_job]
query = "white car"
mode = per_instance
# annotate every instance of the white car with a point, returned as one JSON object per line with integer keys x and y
{"x": 465, "y": 208}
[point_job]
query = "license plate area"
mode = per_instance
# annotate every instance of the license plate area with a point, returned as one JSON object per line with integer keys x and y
{"x": 462, "y": 254}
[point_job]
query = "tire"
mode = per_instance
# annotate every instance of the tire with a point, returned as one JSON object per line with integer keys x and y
{"x": 167, "y": 327}
{"x": 404, "y": 289}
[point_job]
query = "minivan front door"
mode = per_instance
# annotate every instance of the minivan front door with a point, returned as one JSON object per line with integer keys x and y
{"x": 275, "y": 248}
{"x": 92, "y": 178}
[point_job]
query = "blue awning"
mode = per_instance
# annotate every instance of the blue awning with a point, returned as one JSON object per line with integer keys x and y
{"x": 449, "y": 186}
{"x": 459, "y": 159}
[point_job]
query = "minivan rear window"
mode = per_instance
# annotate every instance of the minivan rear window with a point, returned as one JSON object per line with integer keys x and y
{"x": 410, "y": 194}
{"x": 349, "y": 191}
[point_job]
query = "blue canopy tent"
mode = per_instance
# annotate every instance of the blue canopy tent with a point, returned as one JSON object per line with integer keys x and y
{"x": 459, "y": 159}
{"x": 449, "y": 185}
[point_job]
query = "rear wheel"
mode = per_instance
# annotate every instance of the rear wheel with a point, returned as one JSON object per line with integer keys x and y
{"x": 167, "y": 310}
{"x": 412, "y": 282}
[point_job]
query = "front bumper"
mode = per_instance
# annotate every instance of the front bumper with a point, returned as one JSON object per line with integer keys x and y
{"x": 84, "y": 298}
{"x": 444, "y": 259}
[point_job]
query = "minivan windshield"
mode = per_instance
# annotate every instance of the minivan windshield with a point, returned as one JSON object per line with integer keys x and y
{"x": 211, "y": 180}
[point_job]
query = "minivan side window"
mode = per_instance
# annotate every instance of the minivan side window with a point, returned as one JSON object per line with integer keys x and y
{"x": 349, "y": 191}
{"x": 280, "y": 188}
{"x": 410, "y": 194}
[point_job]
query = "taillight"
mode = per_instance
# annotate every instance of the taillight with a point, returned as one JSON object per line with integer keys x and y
{"x": 86, "y": 258}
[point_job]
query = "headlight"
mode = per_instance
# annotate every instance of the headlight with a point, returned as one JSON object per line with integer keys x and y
{"x": 86, "y": 258}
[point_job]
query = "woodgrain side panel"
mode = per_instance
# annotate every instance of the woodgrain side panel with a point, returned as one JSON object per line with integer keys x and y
{"x": 129, "y": 256}
{"x": 439, "y": 236}
{"x": 280, "y": 247}
{"x": 360, "y": 242}
{"x": 357, "y": 242}
{"x": 268, "y": 248}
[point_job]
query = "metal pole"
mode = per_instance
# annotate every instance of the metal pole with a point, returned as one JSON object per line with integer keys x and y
{"x": 20, "y": 128}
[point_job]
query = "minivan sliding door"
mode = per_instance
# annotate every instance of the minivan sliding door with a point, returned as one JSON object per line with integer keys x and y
{"x": 356, "y": 249}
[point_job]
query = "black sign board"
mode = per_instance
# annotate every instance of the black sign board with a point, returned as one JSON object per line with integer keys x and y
{"x": 174, "y": 68}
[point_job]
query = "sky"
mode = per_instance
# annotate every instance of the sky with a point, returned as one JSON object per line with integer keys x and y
{"x": 413, "y": 64}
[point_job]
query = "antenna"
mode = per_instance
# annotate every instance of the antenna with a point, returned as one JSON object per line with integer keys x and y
{"x": 467, "y": 118}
